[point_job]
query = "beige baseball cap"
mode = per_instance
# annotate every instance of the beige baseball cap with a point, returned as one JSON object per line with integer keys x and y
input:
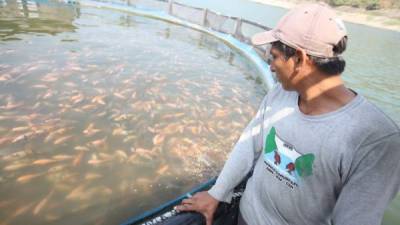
{"x": 312, "y": 27}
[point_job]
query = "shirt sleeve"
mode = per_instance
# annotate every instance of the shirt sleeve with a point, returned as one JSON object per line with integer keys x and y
{"x": 241, "y": 159}
{"x": 373, "y": 181}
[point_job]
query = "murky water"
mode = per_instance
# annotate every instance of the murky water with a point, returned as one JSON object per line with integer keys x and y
{"x": 104, "y": 115}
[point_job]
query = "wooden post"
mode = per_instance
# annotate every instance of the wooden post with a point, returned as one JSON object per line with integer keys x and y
{"x": 204, "y": 22}
{"x": 238, "y": 28}
{"x": 170, "y": 3}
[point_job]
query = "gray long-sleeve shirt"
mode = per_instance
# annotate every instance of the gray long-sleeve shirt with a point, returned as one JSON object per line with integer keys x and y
{"x": 339, "y": 168}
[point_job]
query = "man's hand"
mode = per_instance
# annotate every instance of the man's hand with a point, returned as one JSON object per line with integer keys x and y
{"x": 201, "y": 202}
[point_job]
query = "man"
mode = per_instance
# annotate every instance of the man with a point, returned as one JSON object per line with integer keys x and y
{"x": 322, "y": 153}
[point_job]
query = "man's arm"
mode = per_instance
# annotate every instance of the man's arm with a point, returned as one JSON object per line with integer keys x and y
{"x": 241, "y": 159}
{"x": 372, "y": 182}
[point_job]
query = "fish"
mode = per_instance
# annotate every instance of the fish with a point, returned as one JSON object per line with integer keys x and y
{"x": 119, "y": 95}
{"x": 81, "y": 148}
{"x": 89, "y": 107}
{"x": 61, "y": 130}
{"x": 42, "y": 162}
{"x": 97, "y": 161}
{"x": 158, "y": 139}
{"x": 40, "y": 86}
{"x": 162, "y": 169}
{"x": 48, "y": 78}
{"x": 18, "y": 129}
{"x": 76, "y": 192}
{"x": 50, "y": 137}
{"x": 92, "y": 176}
{"x": 22, "y": 137}
{"x": 99, "y": 142}
{"x": 121, "y": 117}
{"x": 145, "y": 153}
{"x": 62, "y": 139}
{"x": 56, "y": 168}
{"x": 28, "y": 177}
{"x": 77, "y": 98}
{"x": 121, "y": 154}
{"x": 78, "y": 158}
{"x": 48, "y": 94}
{"x": 5, "y": 140}
{"x": 119, "y": 131}
{"x": 99, "y": 100}
{"x": 5, "y": 77}
{"x": 129, "y": 138}
{"x": 220, "y": 113}
{"x": 15, "y": 166}
{"x": 42, "y": 203}
{"x": 90, "y": 131}
{"x": 62, "y": 157}
{"x": 21, "y": 210}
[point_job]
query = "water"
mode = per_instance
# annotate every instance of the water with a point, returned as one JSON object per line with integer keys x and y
{"x": 71, "y": 46}
{"x": 104, "y": 115}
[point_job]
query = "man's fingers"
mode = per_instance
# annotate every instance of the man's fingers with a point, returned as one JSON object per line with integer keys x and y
{"x": 185, "y": 207}
{"x": 188, "y": 201}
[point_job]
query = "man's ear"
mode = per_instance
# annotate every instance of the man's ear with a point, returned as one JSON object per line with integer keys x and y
{"x": 300, "y": 56}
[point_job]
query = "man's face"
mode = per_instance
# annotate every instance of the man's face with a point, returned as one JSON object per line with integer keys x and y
{"x": 284, "y": 69}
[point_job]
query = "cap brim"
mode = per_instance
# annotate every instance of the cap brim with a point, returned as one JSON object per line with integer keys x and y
{"x": 263, "y": 38}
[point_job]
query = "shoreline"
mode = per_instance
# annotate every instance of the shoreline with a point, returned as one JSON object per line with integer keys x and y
{"x": 372, "y": 18}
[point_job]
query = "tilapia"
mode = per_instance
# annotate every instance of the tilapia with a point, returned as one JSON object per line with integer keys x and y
{"x": 42, "y": 203}
{"x": 90, "y": 130}
{"x": 119, "y": 95}
{"x": 28, "y": 177}
{"x": 121, "y": 154}
{"x": 162, "y": 169}
{"x": 15, "y": 166}
{"x": 62, "y": 139}
{"x": 42, "y": 162}
{"x": 81, "y": 148}
{"x": 158, "y": 139}
{"x": 19, "y": 129}
{"x": 99, "y": 142}
{"x": 92, "y": 176}
{"x": 99, "y": 100}
{"x": 62, "y": 157}
{"x": 78, "y": 158}
{"x": 119, "y": 131}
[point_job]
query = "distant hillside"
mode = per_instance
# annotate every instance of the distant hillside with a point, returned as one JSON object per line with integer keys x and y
{"x": 367, "y": 4}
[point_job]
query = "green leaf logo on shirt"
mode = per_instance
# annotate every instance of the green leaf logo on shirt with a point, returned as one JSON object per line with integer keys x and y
{"x": 270, "y": 144}
{"x": 285, "y": 157}
{"x": 304, "y": 164}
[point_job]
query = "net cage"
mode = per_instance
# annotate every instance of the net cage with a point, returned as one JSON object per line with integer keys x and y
{"x": 239, "y": 28}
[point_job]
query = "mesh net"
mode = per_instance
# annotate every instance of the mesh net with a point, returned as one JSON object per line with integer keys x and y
{"x": 187, "y": 13}
{"x": 241, "y": 29}
{"x": 220, "y": 23}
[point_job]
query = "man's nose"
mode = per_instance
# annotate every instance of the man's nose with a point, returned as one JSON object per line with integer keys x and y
{"x": 272, "y": 68}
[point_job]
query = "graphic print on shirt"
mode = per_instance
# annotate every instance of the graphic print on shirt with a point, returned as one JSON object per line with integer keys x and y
{"x": 285, "y": 162}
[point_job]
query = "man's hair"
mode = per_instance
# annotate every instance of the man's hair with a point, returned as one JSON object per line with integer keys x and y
{"x": 330, "y": 66}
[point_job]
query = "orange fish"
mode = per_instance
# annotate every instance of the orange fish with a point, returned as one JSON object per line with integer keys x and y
{"x": 29, "y": 177}
{"x": 99, "y": 142}
{"x": 78, "y": 158}
{"x": 158, "y": 139}
{"x": 42, "y": 162}
{"x": 42, "y": 203}
{"x": 62, "y": 139}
